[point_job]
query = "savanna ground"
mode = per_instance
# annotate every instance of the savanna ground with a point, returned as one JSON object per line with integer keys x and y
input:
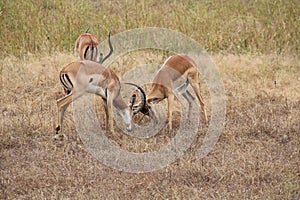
{"x": 257, "y": 155}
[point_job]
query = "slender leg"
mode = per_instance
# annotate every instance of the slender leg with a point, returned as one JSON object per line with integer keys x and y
{"x": 106, "y": 114}
{"x": 196, "y": 87}
{"x": 103, "y": 94}
{"x": 170, "y": 107}
{"x": 62, "y": 105}
{"x": 110, "y": 111}
{"x": 189, "y": 97}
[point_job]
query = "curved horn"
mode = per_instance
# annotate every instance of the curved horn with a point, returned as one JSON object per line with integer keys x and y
{"x": 87, "y": 30}
{"x": 143, "y": 98}
{"x": 132, "y": 101}
{"x": 110, "y": 47}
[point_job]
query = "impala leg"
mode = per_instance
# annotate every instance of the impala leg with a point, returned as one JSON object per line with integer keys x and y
{"x": 106, "y": 114}
{"x": 103, "y": 94}
{"x": 189, "y": 97}
{"x": 170, "y": 107}
{"x": 110, "y": 112}
{"x": 196, "y": 87}
{"x": 62, "y": 105}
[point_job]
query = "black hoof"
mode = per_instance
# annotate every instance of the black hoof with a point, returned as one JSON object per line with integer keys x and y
{"x": 57, "y": 129}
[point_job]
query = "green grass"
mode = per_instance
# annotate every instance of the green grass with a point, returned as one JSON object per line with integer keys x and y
{"x": 220, "y": 26}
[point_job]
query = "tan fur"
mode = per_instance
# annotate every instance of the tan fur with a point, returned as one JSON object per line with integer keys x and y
{"x": 176, "y": 66}
{"x": 84, "y": 41}
{"x": 91, "y": 77}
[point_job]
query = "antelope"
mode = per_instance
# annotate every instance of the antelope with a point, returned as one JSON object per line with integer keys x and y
{"x": 175, "y": 67}
{"x": 86, "y": 48}
{"x": 81, "y": 77}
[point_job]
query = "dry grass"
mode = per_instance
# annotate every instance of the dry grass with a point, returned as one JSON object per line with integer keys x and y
{"x": 256, "y": 157}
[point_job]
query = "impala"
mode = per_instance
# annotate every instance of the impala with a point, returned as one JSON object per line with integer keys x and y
{"x": 174, "y": 68}
{"x": 81, "y": 77}
{"x": 86, "y": 48}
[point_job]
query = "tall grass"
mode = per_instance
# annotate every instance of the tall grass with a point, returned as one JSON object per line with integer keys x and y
{"x": 220, "y": 26}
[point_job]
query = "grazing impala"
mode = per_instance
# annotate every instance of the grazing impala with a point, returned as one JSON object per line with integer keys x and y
{"x": 81, "y": 77}
{"x": 86, "y": 48}
{"x": 174, "y": 68}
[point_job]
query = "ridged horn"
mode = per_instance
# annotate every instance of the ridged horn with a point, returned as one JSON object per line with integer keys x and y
{"x": 110, "y": 47}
